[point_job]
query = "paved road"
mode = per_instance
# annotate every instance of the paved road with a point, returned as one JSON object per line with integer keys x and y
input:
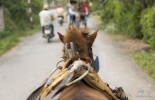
{"x": 25, "y": 67}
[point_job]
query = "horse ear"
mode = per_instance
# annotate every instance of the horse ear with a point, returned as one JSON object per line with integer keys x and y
{"x": 92, "y": 37}
{"x": 69, "y": 27}
{"x": 61, "y": 37}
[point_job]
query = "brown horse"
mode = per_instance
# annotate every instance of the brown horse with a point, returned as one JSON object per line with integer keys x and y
{"x": 80, "y": 90}
{"x": 83, "y": 41}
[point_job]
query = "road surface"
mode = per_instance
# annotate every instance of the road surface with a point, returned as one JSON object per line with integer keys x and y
{"x": 26, "y": 66}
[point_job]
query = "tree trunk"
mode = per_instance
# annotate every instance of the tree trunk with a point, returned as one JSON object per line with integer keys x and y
{"x": 143, "y": 4}
{"x": 1, "y": 18}
{"x": 154, "y": 3}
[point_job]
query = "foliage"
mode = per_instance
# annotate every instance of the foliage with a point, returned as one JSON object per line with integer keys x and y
{"x": 148, "y": 25}
{"x": 19, "y": 11}
{"x": 134, "y": 18}
{"x": 16, "y": 18}
{"x": 123, "y": 16}
{"x": 146, "y": 61}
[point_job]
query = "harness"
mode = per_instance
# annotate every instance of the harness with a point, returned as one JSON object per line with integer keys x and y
{"x": 68, "y": 76}
{"x": 71, "y": 73}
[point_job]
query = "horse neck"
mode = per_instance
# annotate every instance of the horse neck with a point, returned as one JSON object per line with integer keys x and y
{"x": 81, "y": 91}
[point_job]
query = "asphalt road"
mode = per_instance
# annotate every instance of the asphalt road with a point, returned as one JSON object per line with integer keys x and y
{"x": 26, "y": 66}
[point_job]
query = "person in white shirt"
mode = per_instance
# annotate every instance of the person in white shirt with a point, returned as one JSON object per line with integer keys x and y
{"x": 72, "y": 13}
{"x": 46, "y": 18}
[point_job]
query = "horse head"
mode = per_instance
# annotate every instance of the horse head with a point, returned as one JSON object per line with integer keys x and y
{"x": 82, "y": 40}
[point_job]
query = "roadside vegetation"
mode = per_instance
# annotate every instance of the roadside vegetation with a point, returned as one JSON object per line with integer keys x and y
{"x": 17, "y": 24}
{"x": 131, "y": 20}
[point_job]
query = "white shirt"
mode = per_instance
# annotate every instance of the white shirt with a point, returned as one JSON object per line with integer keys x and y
{"x": 45, "y": 17}
{"x": 71, "y": 10}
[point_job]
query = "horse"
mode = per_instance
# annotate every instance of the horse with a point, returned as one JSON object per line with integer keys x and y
{"x": 77, "y": 50}
{"x": 84, "y": 41}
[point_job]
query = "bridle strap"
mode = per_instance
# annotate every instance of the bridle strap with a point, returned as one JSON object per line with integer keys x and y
{"x": 90, "y": 53}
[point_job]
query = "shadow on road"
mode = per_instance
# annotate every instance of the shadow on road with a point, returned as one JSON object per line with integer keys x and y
{"x": 55, "y": 40}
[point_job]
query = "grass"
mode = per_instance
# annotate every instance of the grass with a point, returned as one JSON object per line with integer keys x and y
{"x": 146, "y": 60}
{"x": 14, "y": 39}
{"x": 7, "y": 43}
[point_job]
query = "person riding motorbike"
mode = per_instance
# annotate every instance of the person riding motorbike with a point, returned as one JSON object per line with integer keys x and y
{"x": 46, "y": 19}
{"x": 86, "y": 7}
{"x": 60, "y": 10}
{"x": 84, "y": 11}
{"x": 73, "y": 14}
{"x": 60, "y": 13}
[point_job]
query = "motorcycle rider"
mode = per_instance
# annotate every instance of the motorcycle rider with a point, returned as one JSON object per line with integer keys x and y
{"x": 86, "y": 7}
{"x": 46, "y": 18}
{"x": 60, "y": 12}
{"x": 73, "y": 15}
{"x": 86, "y": 11}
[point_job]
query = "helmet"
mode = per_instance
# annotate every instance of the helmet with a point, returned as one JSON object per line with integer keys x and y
{"x": 59, "y": 5}
{"x": 46, "y": 7}
{"x": 73, "y": 1}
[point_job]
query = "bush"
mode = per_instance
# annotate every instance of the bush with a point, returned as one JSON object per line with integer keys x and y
{"x": 16, "y": 18}
{"x": 148, "y": 25}
{"x": 124, "y": 16}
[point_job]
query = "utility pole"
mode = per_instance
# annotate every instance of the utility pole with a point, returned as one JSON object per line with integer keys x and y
{"x": 1, "y": 16}
{"x": 30, "y": 13}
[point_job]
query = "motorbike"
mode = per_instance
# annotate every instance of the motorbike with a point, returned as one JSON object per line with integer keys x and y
{"x": 47, "y": 33}
{"x": 61, "y": 20}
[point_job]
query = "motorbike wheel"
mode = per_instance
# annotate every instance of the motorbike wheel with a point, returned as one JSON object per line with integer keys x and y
{"x": 48, "y": 40}
{"x": 61, "y": 23}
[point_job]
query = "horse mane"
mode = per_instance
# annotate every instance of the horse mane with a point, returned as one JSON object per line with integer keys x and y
{"x": 79, "y": 38}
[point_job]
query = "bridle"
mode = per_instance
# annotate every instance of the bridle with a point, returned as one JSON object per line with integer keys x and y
{"x": 71, "y": 51}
